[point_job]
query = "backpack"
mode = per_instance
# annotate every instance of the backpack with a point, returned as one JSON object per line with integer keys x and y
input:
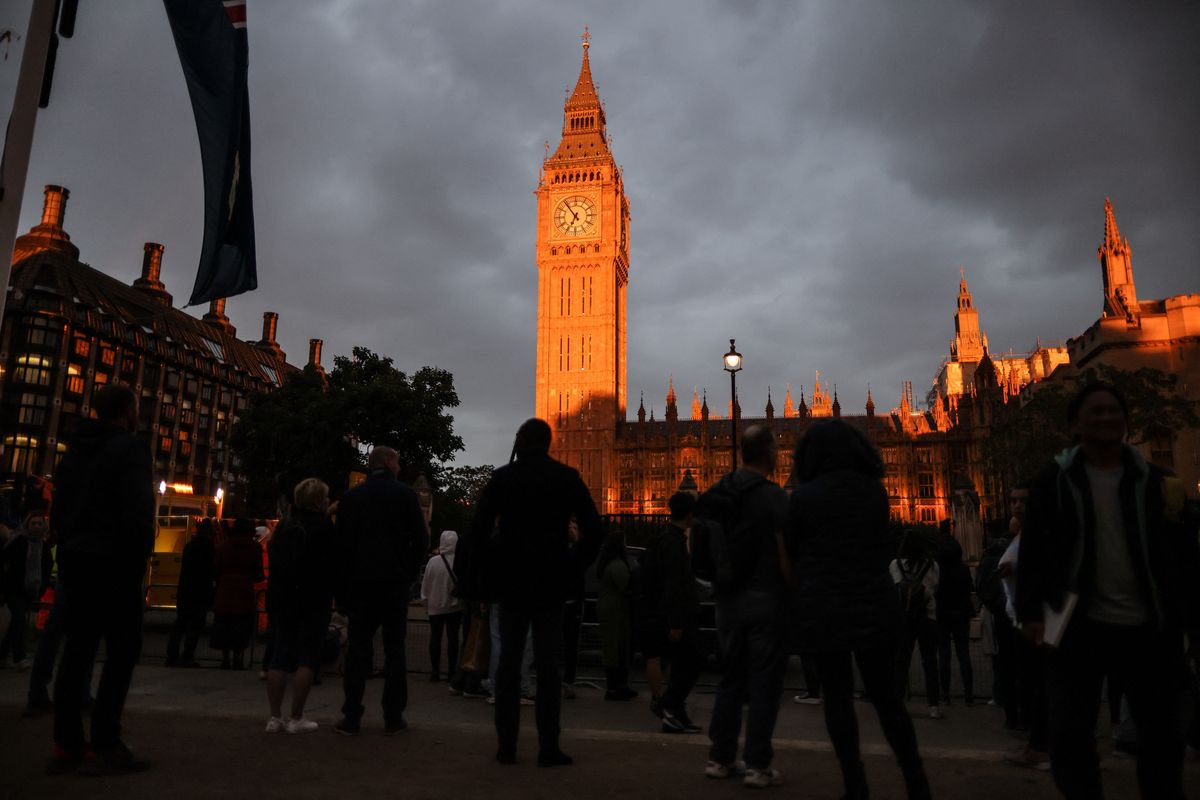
{"x": 724, "y": 550}
{"x": 913, "y": 598}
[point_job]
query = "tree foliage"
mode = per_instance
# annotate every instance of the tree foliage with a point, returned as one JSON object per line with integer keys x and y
{"x": 1024, "y": 438}
{"x": 1156, "y": 408}
{"x": 455, "y": 495}
{"x": 310, "y": 428}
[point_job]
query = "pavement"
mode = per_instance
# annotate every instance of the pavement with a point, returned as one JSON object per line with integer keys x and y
{"x": 203, "y": 730}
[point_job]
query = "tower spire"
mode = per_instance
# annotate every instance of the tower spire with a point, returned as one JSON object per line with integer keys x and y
{"x": 1120, "y": 294}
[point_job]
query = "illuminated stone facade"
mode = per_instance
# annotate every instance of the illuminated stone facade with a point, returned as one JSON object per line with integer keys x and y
{"x": 69, "y": 329}
{"x": 1131, "y": 334}
{"x": 933, "y": 455}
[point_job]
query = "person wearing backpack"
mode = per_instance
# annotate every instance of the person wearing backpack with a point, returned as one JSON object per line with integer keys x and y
{"x": 915, "y": 574}
{"x": 744, "y": 516}
{"x": 444, "y": 609}
{"x": 845, "y": 605}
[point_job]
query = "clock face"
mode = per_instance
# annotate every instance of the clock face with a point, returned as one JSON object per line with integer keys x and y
{"x": 575, "y": 215}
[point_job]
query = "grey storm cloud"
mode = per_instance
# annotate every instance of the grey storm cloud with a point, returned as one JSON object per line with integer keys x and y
{"x": 805, "y": 177}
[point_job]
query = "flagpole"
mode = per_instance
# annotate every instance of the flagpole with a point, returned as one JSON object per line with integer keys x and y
{"x": 19, "y": 143}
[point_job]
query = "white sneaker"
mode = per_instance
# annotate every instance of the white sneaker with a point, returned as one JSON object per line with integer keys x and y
{"x": 936, "y": 713}
{"x": 806, "y": 699}
{"x": 276, "y": 725}
{"x": 762, "y": 778}
{"x": 301, "y": 725}
{"x": 715, "y": 769}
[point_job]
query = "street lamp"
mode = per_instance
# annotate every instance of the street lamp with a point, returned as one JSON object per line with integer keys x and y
{"x": 733, "y": 365}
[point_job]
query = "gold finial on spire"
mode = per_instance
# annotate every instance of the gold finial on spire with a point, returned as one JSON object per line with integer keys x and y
{"x": 587, "y": 38}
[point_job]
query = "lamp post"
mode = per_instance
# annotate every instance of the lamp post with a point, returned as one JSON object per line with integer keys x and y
{"x": 733, "y": 365}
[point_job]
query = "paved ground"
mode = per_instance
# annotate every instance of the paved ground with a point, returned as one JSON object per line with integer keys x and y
{"x": 203, "y": 730}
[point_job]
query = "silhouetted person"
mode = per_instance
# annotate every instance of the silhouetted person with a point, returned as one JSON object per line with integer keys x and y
{"x": 954, "y": 612}
{"x": 670, "y": 611}
{"x": 614, "y": 614}
{"x": 528, "y": 504}
{"x": 239, "y": 566}
{"x": 749, "y": 612}
{"x": 1105, "y": 531}
{"x": 916, "y": 576}
{"x": 299, "y": 599}
{"x": 846, "y": 603}
{"x": 445, "y": 610}
{"x": 382, "y": 540}
{"x": 194, "y": 595}
{"x": 103, "y": 514}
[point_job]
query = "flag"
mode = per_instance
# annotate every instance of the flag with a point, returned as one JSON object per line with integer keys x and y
{"x": 210, "y": 36}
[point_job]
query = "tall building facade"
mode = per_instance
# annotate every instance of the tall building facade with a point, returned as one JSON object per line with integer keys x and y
{"x": 933, "y": 454}
{"x": 69, "y": 329}
{"x": 583, "y": 273}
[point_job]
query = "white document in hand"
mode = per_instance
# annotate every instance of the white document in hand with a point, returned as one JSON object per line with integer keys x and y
{"x": 1056, "y": 621}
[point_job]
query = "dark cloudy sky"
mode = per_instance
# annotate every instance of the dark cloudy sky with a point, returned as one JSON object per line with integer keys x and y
{"x": 806, "y": 177}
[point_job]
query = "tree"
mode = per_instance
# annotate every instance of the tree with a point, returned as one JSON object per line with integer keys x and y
{"x": 383, "y": 406}
{"x": 1156, "y": 408}
{"x": 310, "y": 427}
{"x": 297, "y": 431}
{"x": 1024, "y": 438}
{"x": 456, "y": 493}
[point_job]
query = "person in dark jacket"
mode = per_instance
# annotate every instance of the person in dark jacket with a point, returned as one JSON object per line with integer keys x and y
{"x": 1108, "y": 557}
{"x": 103, "y": 514}
{"x": 845, "y": 603}
{"x": 299, "y": 602}
{"x": 238, "y": 567}
{"x": 672, "y": 607}
{"x": 614, "y": 614}
{"x": 382, "y": 538}
{"x": 21, "y": 568}
{"x": 194, "y": 596}
{"x": 954, "y": 612}
{"x": 529, "y": 503}
{"x": 749, "y": 618}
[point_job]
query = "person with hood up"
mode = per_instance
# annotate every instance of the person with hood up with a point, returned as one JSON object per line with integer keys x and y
{"x": 845, "y": 603}
{"x": 444, "y": 609}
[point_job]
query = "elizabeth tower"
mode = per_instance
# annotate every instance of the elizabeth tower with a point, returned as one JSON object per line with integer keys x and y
{"x": 583, "y": 272}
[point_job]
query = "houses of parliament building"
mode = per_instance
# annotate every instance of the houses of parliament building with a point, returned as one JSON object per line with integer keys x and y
{"x": 934, "y": 465}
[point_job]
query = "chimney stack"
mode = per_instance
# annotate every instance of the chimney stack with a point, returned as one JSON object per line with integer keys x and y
{"x": 216, "y": 316}
{"x": 268, "y": 343}
{"x": 151, "y": 281}
{"x": 49, "y": 234}
{"x": 270, "y": 325}
{"x": 314, "y": 352}
{"x": 54, "y": 207}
